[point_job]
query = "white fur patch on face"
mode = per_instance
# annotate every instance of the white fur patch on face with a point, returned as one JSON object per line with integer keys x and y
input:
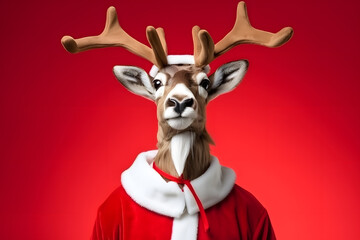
{"x": 180, "y": 89}
{"x": 202, "y": 92}
{"x": 162, "y": 77}
{"x": 180, "y": 147}
{"x": 174, "y": 119}
{"x": 199, "y": 77}
{"x": 180, "y": 123}
{"x": 160, "y": 92}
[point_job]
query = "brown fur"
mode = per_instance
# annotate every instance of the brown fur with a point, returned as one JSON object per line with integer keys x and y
{"x": 197, "y": 162}
{"x": 199, "y": 157}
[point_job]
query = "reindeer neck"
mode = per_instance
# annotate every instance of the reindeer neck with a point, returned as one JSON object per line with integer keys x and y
{"x": 194, "y": 147}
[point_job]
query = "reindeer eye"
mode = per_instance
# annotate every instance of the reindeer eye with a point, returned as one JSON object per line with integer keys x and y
{"x": 157, "y": 84}
{"x": 205, "y": 83}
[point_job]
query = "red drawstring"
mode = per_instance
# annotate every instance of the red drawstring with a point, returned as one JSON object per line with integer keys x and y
{"x": 181, "y": 180}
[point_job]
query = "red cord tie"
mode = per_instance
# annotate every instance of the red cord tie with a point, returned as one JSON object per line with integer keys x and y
{"x": 181, "y": 180}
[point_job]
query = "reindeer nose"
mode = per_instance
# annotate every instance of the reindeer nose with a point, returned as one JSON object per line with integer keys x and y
{"x": 180, "y": 106}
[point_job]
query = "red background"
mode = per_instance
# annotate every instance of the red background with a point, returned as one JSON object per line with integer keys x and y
{"x": 68, "y": 128}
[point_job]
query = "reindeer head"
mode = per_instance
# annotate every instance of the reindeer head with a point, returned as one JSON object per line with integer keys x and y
{"x": 181, "y": 91}
{"x": 180, "y": 85}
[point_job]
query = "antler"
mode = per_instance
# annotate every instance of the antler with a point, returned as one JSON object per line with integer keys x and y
{"x": 114, "y": 36}
{"x": 203, "y": 46}
{"x": 241, "y": 33}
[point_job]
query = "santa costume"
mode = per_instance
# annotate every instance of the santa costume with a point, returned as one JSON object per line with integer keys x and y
{"x": 146, "y": 206}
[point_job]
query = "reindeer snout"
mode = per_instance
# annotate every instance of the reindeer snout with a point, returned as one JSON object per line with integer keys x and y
{"x": 179, "y": 106}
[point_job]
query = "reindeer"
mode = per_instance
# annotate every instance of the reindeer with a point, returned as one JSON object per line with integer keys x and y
{"x": 191, "y": 179}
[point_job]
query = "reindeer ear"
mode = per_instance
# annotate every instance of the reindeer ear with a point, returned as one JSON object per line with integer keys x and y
{"x": 136, "y": 80}
{"x": 227, "y": 77}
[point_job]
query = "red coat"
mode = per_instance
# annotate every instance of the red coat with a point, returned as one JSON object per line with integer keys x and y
{"x": 237, "y": 216}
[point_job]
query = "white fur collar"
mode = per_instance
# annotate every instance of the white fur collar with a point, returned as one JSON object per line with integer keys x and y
{"x": 146, "y": 187}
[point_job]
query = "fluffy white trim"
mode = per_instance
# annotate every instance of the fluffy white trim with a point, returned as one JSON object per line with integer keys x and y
{"x": 185, "y": 227}
{"x": 177, "y": 59}
{"x": 211, "y": 187}
{"x": 146, "y": 187}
